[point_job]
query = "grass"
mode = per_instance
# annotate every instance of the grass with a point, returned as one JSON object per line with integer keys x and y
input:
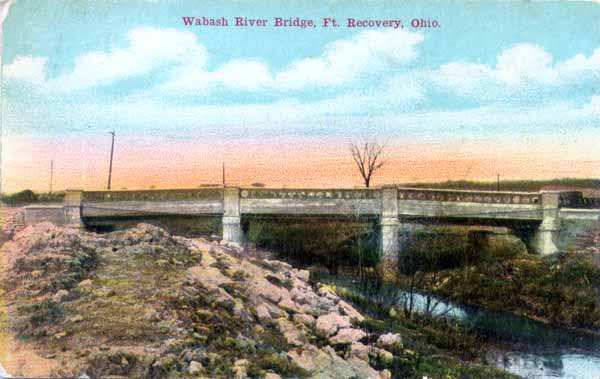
{"x": 560, "y": 290}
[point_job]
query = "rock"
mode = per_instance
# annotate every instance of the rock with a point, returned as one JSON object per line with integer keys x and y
{"x": 390, "y": 341}
{"x": 275, "y": 311}
{"x": 60, "y": 295}
{"x": 329, "y": 324}
{"x": 298, "y": 295}
{"x": 385, "y": 374}
{"x": 349, "y": 311}
{"x": 303, "y": 275}
{"x": 304, "y": 319}
{"x": 239, "y": 310}
{"x": 309, "y": 358}
{"x": 289, "y": 305}
{"x": 292, "y": 335}
{"x": 325, "y": 363}
{"x": 270, "y": 291}
{"x": 263, "y": 314}
{"x": 347, "y": 336}
{"x": 360, "y": 351}
{"x": 240, "y": 369}
{"x": 278, "y": 265}
{"x": 326, "y": 292}
{"x": 195, "y": 368}
{"x": 271, "y": 375}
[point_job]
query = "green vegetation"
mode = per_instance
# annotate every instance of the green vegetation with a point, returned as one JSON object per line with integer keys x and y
{"x": 186, "y": 226}
{"x": 509, "y": 185}
{"x": 561, "y": 290}
{"x": 433, "y": 347}
{"x": 29, "y": 197}
{"x": 331, "y": 243}
{"x": 495, "y": 272}
{"x": 465, "y": 265}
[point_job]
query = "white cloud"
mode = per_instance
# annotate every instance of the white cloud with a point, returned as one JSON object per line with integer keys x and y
{"x": 237, "y": 74}
{"x": 525, "y": 63}
{"x": 184, "y": 59}
{"x": 344, "y": 60}
{"x": 523, "y": 69}
{"x": 149, "y": 49}
{"x": 27, "y": 69}
{"x": 593, "y": 107}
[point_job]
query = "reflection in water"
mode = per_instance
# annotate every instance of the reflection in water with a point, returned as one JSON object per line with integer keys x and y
{"x": 539, "y": 351}
{"x": 546, "y": 348}
{"x": 567, "y": 366}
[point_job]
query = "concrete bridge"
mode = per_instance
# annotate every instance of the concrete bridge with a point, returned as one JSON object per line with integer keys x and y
{"x": 552, "y": 218}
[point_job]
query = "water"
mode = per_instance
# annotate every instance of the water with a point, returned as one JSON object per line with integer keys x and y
{"x": 541, "y": 366}
{"x": 3, "y": 373}
{"x": 530, "y": 349}
{"x": 540, "y": 351}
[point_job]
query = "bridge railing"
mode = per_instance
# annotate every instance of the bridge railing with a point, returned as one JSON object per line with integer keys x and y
{"x": 154, "y": 195}
{"x": 489, "y": 197}
{"x": 309, "y": 194}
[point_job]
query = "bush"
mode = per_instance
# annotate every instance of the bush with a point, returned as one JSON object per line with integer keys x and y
{"x": 428, "y": 252}
{"x": 332, "y": 244}
{"x": 23, "y": 197}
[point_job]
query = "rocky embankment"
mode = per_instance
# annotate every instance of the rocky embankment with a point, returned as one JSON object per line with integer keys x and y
{"x": 143, "y": 303}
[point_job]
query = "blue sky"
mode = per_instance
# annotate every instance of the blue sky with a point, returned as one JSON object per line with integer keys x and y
{"x": 492, "y": 71}
{"x": 77, "y": 54}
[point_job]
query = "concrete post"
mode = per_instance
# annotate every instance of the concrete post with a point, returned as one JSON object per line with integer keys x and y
{"x": 545, "y": 239}
{"x": 72, "y": 206}
{"x": 232, "y": 225}
{"x": 390, "y": 225}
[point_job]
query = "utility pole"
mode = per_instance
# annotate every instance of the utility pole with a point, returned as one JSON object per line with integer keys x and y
{"x": 498, "y": 184}
{"x": 51, "y": 174}
{"x": 223, "y": 174}
{"x": 112, "y": 148}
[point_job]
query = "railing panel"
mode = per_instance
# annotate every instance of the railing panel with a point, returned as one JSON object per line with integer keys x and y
{"x": 154, "y": 195}
{"x": 488, "y": 197}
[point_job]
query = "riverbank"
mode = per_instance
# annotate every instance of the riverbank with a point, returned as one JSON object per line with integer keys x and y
{"x": 517, "y": 344}
{"x": 142, "y": 302}
{"x": 17, "y": 357}
{"x": 561, "y": 290}
{"x": 439, "y": 347}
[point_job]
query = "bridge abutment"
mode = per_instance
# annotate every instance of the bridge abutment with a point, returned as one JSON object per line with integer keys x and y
{"x": 390, "y": 227}
{"x": 72, "y": 208}
{"x": 232, "y": 217}
{"x": 545, "y": 239}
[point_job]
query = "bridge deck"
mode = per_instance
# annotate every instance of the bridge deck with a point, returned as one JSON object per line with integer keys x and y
{"x": 411, "y": 202}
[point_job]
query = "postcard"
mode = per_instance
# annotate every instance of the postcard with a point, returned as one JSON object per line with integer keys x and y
{"x": 300, "y": 189}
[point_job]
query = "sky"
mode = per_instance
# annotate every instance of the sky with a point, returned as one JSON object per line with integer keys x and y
{"x": 508, "y": 88}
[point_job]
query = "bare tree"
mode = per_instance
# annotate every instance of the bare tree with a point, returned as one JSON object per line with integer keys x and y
{"x": 368, "y": 159}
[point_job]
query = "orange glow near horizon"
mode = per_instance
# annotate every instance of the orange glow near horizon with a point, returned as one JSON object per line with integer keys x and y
{"x": 145, "y": 162}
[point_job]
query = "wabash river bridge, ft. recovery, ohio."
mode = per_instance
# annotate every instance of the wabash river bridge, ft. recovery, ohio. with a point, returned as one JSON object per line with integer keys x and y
{"x": 547, "y": 220}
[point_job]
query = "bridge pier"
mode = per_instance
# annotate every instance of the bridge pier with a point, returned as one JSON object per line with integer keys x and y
{"x": 390, "y": 227}
{"x": 232, "y": 218}
{"x": 545, "y": 239}
{"x": 72, "y": 208}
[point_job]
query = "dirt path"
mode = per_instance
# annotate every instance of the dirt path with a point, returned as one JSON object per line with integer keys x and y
{"x": 16, "y": 357}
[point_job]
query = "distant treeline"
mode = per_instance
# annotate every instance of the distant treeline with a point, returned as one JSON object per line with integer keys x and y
{"x": 511, "y": 185}
{"x": 30, "y": 197}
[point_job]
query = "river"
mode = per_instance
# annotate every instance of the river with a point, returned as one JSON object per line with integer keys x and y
{"x": 528, "y": 348}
